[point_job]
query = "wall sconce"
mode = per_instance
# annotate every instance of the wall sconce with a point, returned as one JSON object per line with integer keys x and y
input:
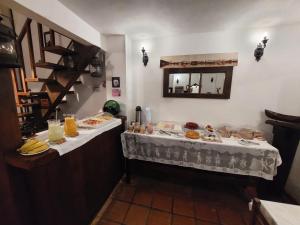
{"x": 8, "y": 52}
{"x": 259, "y": 51}
{"x": 145, "y": 57}
{"x": 97, "y": 65}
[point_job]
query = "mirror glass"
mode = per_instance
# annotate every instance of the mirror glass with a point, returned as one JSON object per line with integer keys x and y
{"x": 212, "y": 83}
{"x": 195, "y": 83}
{"x": 184, "y": 83}
{"x": 209, "y": 82}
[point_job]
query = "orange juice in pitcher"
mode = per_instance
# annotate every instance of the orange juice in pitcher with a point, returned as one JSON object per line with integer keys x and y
{"x": 70, "y": 126}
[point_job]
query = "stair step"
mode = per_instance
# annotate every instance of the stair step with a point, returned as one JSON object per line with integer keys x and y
{"x": 48, "y": 65}
{"x": 77, "y": 82}
{"x": 25, "y": 114}
{"x": 43, "y": 80}
{"x": 59, "y": 50}
{"x": 25, "y": 94}
{"x": 27, "y": 104}
{"x": 39, "y": 93}
{"x": 70, "y": 92}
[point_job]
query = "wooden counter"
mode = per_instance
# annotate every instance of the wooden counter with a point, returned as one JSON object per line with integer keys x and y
{"x": 69, "y": 189}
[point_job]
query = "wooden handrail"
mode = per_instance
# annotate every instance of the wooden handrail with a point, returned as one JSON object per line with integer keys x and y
{"x": 31, "y": 54}
{"x": 41, "y": 42}
{"x": 24, "y": 30}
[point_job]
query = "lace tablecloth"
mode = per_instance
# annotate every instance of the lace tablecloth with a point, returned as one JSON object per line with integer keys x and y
{"x": 228, "y": 157}
{"x": 84, "y": 136}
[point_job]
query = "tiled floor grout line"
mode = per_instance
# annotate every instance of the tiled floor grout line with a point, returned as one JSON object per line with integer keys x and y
{"x": 171, "y": 213}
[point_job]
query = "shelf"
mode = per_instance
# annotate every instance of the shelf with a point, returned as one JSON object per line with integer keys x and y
{"x": 59, "y": 50}
{"x": 42, "y": 80}
{"x": 48, "y": 65}
{"x": 25, "y": 114}
{"x": 27, "y": 104}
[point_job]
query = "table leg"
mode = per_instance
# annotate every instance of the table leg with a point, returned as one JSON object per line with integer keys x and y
{"x": 127, "y": 170}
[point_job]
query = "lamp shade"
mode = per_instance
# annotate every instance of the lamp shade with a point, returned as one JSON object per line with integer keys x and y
{"x": 8, "y": 53}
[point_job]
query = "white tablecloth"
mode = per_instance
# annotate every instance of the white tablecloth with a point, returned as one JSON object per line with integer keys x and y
{"x": 279, "y": 213}
{"x": 84, "y": 136}
{"x": 228, "y": 157}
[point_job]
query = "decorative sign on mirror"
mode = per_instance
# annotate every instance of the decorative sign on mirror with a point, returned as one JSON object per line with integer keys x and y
{"x": 198, "y": 76}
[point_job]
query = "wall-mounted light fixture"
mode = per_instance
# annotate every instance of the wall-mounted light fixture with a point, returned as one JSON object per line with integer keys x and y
{"x": 145, "y": 57}
{"x": 259, "y": 51}
{"x": 97, "y": 65}
{"x": 8, "y": 52}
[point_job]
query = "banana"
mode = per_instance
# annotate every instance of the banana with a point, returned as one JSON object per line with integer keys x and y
{"x": 38, "y": 149}
{"x": 28, "y": 143}
{"x": 33, "y": 146}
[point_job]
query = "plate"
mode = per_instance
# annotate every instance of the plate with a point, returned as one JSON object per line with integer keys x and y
{"x": 36, "y": 153}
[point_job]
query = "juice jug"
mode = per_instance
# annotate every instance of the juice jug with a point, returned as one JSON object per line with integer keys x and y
{"x": 70, "y": 126}
{"x": 55, "y": 131}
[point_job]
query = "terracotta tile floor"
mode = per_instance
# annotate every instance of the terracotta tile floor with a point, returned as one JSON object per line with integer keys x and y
{"x": 147, "y": 201}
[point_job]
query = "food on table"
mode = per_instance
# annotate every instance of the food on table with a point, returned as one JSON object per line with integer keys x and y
{"x": 33, "y": 146}
{"x": 137, "y": 127}
{"x": 224, "y": 132}
{"x": 259, "y": 135}
{"x": 165, "y": 125}
{"x": 192, "y": 134}
{"x": 106, "y": 117}
{"x": 70, "y": 126}
{"x": 169, "y": 126}
{"x": 149, "y": 128}
{"x": 130, "y": 127}
{"x": 142, "y": 129}
{"x": 235, "y": 134}
{"x": 55, "y": 131}
{"x": 95, "y": 120}
{"x": 191, "y": 125}
{"x": 246, "y": 133}
{"x": 211, "y": 137}
{"x": 92, "y": 122}
{"x": 209, "y": 128}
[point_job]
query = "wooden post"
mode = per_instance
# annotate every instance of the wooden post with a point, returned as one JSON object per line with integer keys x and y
{"x": 52, "y": 37}
{"x": 31, "y": 54}
{"x": 13, "y": 78}
{"x": 10, "y": 138}
{"x": 127, "y": 170}
{"x": 41, "y": 42}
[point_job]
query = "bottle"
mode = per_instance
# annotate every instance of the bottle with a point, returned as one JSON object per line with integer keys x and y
{"x": 138, "y": 114}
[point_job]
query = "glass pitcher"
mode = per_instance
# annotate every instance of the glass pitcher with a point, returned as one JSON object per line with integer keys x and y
{"x": 70, "y": 125}
{"x": 55, "y": 131}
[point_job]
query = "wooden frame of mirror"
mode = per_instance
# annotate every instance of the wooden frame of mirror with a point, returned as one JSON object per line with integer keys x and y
{"x": 201, "y": 70}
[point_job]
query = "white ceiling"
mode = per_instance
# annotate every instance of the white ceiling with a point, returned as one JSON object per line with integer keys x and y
{"x": 148, "y": 18}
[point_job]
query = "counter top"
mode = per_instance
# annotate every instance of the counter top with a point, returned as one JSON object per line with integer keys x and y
{"x": 29, "y": 162}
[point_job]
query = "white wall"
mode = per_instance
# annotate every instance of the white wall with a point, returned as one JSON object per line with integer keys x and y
{"x": 88, "y": 99}
{"x": 55, "y": 15}
{"x": 272, "y": 83}
{"x": 116, "y": 67}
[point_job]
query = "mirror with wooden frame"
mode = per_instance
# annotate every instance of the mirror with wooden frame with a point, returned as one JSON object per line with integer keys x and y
{"x": 203, "y": 82}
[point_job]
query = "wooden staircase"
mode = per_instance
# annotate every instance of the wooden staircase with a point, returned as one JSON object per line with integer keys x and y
{"x": 34, "y": 108}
